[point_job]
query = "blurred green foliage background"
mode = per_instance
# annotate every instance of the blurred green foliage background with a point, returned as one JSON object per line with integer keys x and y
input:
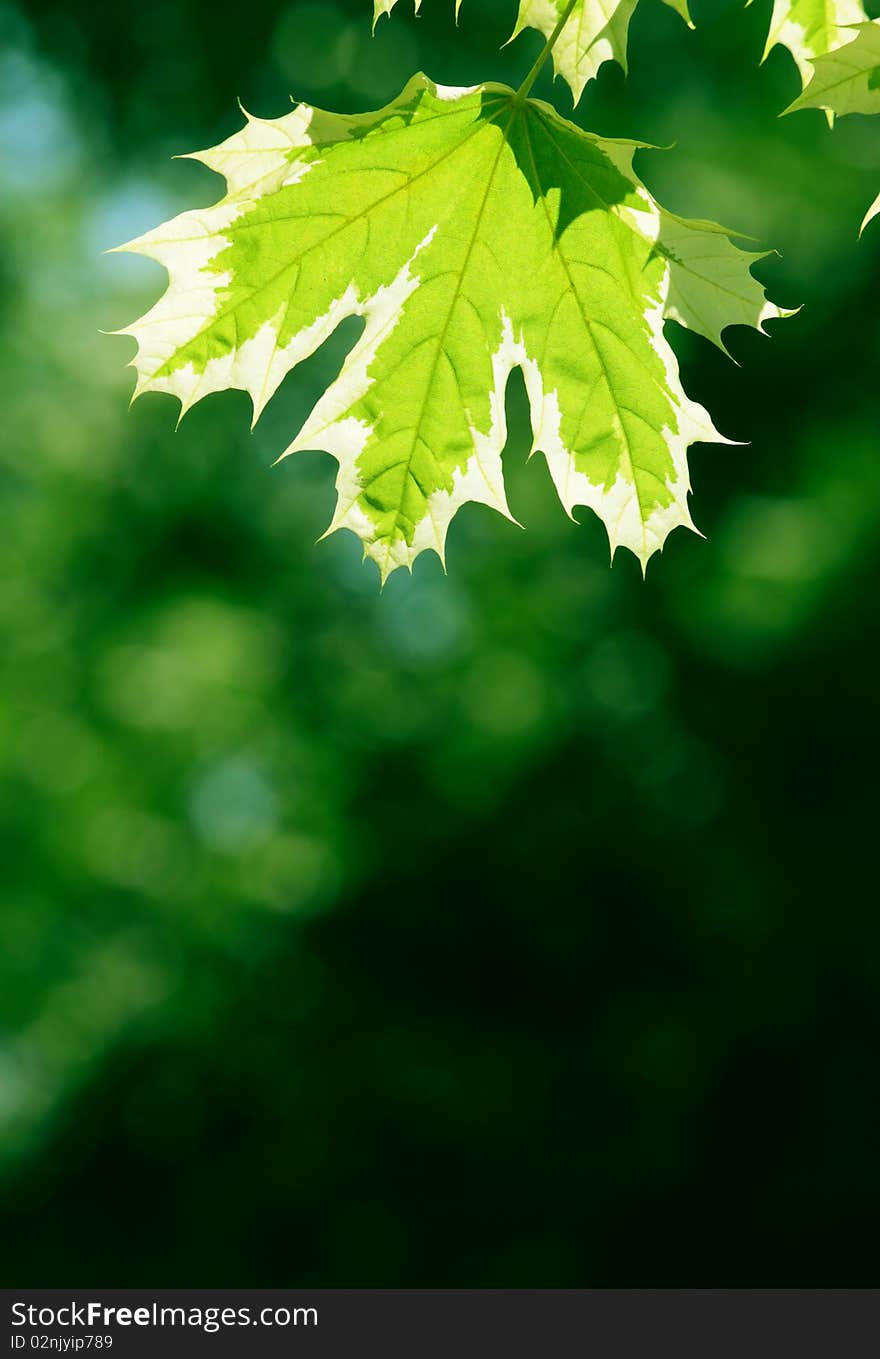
{"x": 517, "y": 927}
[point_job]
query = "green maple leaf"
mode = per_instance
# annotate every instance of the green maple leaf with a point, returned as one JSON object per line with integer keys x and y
{"x": 812, "y": 28}
{"x": 590, "y": 31}
{"x": 474, "y": 231}
{"x": 847, "y": 80}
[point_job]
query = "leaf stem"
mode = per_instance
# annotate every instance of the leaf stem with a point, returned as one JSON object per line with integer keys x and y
{"x": 522, "y": 92}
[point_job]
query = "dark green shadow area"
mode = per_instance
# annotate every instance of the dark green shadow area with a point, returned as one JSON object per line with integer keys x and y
{"x": 554, "y": 157}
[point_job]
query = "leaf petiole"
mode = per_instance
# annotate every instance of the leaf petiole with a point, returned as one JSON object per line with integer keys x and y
{"x": 523, "y": 91}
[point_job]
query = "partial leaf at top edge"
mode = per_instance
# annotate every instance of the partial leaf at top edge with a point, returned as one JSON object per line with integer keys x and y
{"x": 846, "y": 80}
{"x": 595, "y": 32}
{"x": 812, "y": 28}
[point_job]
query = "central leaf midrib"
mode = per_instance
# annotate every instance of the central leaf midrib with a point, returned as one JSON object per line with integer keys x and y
{"x": 441, "y": 339}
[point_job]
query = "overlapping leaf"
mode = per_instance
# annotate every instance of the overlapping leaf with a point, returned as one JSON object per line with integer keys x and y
{"x": 812, "y": 28}
{"x": 474, "y": 232}
{"x": 847, "y": 80}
